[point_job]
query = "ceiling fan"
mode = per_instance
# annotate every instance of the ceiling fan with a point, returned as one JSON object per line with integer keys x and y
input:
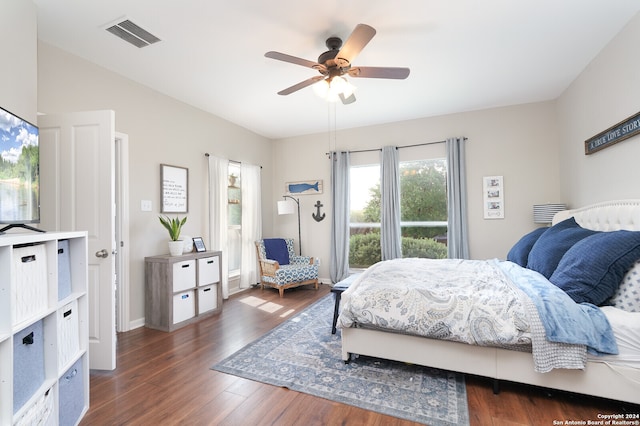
{"x": 337, "y": 61}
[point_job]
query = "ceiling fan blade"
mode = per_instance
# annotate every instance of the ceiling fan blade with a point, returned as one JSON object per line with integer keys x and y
{"x": 348, "y": 100}
{"x": 358, "y": 39}
{"x": 300, "y": 85}
{"x": 379, "y": 72}
{"x": 295, "y": 60}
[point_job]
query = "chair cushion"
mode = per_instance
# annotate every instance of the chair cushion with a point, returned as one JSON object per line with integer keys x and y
{"x": 276, "y": 249}
{"x": 300, "y": 260}
{"x": 294, "y": 273}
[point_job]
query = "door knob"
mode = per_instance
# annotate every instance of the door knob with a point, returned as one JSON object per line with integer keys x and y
{"x": 102, "y": 253}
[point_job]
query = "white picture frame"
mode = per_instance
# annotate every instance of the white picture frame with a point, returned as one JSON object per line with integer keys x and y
{"x": 493, "y": 197}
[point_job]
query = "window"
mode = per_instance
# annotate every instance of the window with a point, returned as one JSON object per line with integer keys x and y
{"x": 364, "y": 215}
{"x": 423, "y": 211}
{"x": 234, "y": 218}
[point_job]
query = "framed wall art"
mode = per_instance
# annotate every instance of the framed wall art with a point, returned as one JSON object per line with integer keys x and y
{"x": 625, "y": 129}
{"x": 174, "y": 189}
{"x": 493, "y": 197}
{"x": 304, "y": 187}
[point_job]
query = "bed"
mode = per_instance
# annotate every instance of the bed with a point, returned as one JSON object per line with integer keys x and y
{"x": 603, "y": 360}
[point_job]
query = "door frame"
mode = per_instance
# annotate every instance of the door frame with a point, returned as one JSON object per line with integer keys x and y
{"x": 123, "y": 242}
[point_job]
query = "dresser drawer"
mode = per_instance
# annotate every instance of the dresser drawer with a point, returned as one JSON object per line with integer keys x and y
{"x": 184, "y": 275}
{"x": 208, "y": 270}
{"x": 68, "y": 333}
{"x": 207, "y": 298}
{"x": 30, "y": 293}
{"x": 184, "y": 306}
{"x": 64, "y": 270}
{"x": 71, "y": 390}
{"x": 28, "y": 363}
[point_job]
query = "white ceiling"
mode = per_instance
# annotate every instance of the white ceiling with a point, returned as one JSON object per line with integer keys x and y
{"x": 464, "y": 55}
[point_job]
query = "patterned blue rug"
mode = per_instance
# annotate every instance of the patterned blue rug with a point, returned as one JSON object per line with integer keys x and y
{"x": 301, "y": 354}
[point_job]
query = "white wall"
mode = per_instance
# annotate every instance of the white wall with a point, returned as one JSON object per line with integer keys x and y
{"x": 607, "y": 92}
{"x": 538, "y": 148}
{"x": 19, "y": 72}
{"x": 519, "y": 143}
{"x": 161, "y": 130}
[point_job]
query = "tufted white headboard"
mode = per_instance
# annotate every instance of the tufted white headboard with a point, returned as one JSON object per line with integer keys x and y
{"x": 605, "y": 216}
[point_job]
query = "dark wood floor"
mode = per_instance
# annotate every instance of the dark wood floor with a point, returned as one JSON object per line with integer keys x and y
{"x": 165, "y": 379}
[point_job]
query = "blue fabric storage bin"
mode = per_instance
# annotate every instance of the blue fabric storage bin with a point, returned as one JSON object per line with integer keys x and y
{"x": 71, "y": 392}
{"x": 64, "y": 270}
{"x": 28, "y": 363}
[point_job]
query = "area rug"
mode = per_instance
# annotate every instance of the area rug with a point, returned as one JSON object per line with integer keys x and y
{"x": 301, "y": 354}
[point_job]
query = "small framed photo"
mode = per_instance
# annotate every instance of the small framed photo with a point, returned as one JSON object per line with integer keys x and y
{"x": 493, "y": 190}
{"x": 199, "y": 244}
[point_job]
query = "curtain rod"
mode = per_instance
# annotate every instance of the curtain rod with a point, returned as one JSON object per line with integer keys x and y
{"x": 397, "y": 147}
{"x": 206, "y": 154}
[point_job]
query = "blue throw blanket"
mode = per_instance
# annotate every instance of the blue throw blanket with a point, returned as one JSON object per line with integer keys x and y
{"x": 564, "y": 320}
{"x": 276, "y": 249}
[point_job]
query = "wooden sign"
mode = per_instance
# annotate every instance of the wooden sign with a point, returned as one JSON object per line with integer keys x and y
{"x": 614, "y": 134}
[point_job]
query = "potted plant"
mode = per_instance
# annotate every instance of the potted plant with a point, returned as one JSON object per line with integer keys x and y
{"x": 174, "y": 226}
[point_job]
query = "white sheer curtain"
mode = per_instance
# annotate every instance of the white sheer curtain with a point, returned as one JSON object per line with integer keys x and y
{"x": 457, "y": 239}
{"x": 390, "y": 232}
{"x": 251, "y": 222}
{"x": 218, "y": 225}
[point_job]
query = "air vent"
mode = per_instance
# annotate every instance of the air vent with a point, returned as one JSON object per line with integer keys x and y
{"x": 132, "y": 33}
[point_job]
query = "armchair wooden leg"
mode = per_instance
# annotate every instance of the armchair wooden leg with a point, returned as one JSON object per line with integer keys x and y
{"x": 281, "y": 290}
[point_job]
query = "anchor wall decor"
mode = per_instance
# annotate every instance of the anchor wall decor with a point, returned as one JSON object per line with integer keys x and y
{"x": 317, "y": 216}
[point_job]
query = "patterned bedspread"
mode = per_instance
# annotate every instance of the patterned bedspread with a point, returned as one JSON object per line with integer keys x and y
{"x": 469, "y": 301}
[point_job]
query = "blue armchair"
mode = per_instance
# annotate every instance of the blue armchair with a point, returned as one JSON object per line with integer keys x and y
{"x": 281, "y": 268}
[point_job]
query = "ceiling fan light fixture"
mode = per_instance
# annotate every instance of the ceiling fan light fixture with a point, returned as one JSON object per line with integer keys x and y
{"x": 341, "y": 85}
{"x": 336, "y": 85}
{"x": 321, "y": 88}
{"x": 330, "y": 89}
{"x": 335, "y": 63}
{"x": 350, "y": 89}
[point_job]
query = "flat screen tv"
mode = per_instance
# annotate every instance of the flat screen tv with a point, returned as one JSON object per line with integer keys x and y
{"x": 19, "y": 172}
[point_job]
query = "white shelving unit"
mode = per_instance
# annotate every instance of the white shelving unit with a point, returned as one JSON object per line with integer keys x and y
{"x": 44, "y": 364}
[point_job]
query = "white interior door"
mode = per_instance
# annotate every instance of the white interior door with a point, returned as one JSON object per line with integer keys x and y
{"x": 77, "y": 194}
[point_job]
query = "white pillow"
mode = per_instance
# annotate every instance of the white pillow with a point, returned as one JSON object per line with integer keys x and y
{"x": 627, "y": 297}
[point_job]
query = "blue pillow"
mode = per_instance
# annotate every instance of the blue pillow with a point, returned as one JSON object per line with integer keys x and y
{"x": 552, "y": 245}
{"x": 520, "y": 251}
{"x": 594, "y": 267}
{"x": 276, "y": 249}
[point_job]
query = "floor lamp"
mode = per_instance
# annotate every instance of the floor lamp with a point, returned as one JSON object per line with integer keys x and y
{"x": 287, "y": 207}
